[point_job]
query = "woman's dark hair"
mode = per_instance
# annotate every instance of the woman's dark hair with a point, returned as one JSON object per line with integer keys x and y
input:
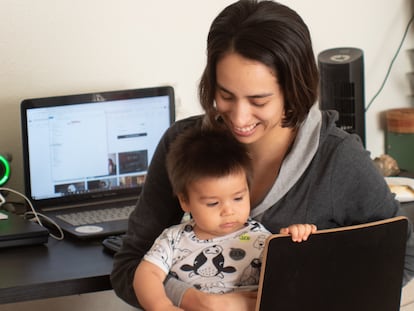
{"x": 199, "y": 153}
{"x": 274, "y": 35}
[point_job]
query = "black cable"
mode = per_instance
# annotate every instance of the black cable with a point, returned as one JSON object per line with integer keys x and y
{"x": 391, "y": 64}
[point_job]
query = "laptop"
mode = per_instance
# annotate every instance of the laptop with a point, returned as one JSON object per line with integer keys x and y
{"x": 354, "y": 268}
{"x": 86, "y": 156}
{"x": 17, "y": 231}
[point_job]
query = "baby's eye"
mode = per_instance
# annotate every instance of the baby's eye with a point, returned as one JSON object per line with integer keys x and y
{"x": 240, "y": 198}
{"x": 211, "y": 204}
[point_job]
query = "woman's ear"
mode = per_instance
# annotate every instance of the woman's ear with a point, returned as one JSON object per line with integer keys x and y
{"x": 185, "y": 206}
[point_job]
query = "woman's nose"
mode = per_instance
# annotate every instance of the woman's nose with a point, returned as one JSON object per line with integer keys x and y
{"x": 240, "y": 114}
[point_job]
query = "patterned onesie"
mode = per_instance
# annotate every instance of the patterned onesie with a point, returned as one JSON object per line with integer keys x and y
{"x": 219, "y": 265}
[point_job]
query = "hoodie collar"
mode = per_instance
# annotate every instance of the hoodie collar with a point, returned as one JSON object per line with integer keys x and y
{"x": 297, "y": 160}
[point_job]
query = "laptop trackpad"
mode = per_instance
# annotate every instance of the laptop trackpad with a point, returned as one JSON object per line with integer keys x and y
{"x": 89, "y": 229}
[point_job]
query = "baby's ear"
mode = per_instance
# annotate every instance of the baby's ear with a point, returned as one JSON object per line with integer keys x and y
{"x": 185, "y": 206}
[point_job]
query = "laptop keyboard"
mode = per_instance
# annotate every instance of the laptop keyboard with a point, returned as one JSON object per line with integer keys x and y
{"x": 97, "y": 216}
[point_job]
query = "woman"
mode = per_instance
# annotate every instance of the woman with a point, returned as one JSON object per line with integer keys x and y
{"x": 261, "y": 83}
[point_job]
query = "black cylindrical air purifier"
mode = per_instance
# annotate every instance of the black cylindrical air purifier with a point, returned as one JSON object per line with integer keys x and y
{"x": 342, "y": 87}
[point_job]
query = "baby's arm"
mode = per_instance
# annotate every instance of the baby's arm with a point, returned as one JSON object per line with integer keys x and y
{"x": 149, "y": 288}
{"x": 299, "y": 232}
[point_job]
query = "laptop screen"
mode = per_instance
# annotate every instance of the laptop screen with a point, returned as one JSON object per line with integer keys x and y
{"x": 92, "y": 146}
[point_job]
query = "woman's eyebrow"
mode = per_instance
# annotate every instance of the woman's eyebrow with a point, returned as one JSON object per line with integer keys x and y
{"x": 223, "y": 89}
{"x": 248, "y": 96}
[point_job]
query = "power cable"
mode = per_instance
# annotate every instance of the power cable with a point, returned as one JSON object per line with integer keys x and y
{"x": 391, "y": 64}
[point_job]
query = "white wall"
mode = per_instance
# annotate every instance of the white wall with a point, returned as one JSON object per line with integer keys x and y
{"x": 51, "y": 47}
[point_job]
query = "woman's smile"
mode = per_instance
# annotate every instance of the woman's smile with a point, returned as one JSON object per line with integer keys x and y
{"x": 244, "y": 131}
{"x": 248, "y": 98}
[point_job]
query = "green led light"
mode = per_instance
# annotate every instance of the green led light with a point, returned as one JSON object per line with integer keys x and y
{"x": 6, "y": 175}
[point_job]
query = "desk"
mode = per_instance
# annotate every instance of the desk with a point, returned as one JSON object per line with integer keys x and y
{"x": 58, "y": 268}
{"x": 62, "y": 268}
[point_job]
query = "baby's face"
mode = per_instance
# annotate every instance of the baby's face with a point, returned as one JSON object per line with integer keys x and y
{"x": 218, "y": 205}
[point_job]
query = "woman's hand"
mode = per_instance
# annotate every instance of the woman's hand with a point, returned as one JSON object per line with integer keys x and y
{"x": 299, "y": 232}
{"x": 195, "y": 300}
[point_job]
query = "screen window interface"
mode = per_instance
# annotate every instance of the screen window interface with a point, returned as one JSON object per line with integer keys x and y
{"x": 94, "y": 146}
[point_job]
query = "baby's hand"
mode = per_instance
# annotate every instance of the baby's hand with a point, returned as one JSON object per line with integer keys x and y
{"x": 299, "y": 232}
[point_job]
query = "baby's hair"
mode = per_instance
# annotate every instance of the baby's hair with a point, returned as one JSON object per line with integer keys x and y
{"x": 201, "y": 153}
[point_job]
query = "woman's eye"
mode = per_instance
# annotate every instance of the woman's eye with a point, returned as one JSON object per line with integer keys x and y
{"x": 258, "y": 104}
{"x": 226, "y": 97}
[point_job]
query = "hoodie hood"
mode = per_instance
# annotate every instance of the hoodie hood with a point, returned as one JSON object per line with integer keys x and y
{"x": 311, "y": 133}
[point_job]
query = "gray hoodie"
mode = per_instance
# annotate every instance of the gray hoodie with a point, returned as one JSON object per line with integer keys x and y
{"x": 327, "y": 179}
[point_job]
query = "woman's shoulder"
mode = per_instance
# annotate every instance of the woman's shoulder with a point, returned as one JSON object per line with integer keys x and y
{"x": 196, "y": 120}
{"x": 180, "y": 126}
{"x": 332, "y": 136}
{"x": 185, "y": 123}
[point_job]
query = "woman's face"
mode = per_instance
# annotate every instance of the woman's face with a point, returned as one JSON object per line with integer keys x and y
{"x": 248, "y": 98}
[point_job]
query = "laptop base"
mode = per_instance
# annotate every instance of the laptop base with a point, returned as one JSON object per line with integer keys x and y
{"x": 17, "y": 231}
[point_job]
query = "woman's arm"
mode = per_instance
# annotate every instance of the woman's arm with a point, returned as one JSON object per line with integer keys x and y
{"x": 156, "y": 210}
{"x": 368, "y": 197}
